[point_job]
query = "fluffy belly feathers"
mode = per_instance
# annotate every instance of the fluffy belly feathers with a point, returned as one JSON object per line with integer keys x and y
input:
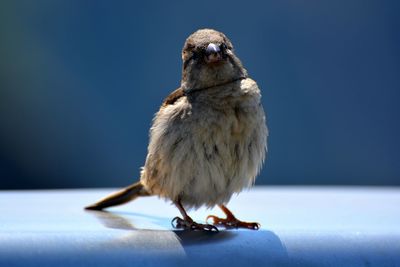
{"x": 202, "y": 153}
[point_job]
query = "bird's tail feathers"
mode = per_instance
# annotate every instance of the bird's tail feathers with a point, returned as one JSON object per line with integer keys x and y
{"x": 120, "y": 197}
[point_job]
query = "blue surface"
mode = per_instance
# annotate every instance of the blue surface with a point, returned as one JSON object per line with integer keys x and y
{"x": 300, "y": 227}
{"x": 81, "y": 80}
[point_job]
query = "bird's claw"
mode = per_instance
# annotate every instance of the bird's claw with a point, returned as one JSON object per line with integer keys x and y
{"x": 179, "y": 223}
{"x": 233, "y": 223}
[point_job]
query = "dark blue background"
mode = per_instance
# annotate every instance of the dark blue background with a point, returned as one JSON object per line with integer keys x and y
{"x": 81, "y": 80}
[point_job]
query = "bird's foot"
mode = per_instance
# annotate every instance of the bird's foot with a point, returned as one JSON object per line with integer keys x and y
{"x": 189, "y": 224}
{"x": 232, "y": 222}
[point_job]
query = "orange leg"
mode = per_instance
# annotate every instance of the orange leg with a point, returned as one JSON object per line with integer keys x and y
{"x": 230, "y": 221}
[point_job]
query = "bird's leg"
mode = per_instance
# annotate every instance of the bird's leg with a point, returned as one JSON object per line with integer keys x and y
{"x": 230, "y": 221}
{"x": 187, "y": 223}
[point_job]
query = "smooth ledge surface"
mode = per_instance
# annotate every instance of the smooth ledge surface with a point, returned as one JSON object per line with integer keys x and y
{"x": 301, "y": 226}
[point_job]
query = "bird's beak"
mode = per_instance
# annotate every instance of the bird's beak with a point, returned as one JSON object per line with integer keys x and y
{"x": 213, "y": 53}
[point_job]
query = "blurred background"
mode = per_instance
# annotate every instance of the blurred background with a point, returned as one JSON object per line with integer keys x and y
{"x": 81, "y": 80}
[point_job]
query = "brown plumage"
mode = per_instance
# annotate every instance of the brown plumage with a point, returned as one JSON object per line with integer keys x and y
{"x": 209, "y": 138}
{"x": 173, "y": 97}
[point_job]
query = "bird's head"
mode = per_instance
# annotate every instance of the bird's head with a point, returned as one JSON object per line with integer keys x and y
{"x": 209, "y": 60}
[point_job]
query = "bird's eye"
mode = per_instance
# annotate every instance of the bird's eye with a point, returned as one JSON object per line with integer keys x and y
{"x": 194, "y": 55}
{"x": 223, "y": 46}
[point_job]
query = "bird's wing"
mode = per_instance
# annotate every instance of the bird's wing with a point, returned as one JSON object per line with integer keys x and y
{"x": 173, "y": 97}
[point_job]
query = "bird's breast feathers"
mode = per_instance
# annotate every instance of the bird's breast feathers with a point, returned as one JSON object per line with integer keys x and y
{"x": 206, "y": 145}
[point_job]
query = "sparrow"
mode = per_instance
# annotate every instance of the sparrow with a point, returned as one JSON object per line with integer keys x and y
{"x": 207, "y": 141}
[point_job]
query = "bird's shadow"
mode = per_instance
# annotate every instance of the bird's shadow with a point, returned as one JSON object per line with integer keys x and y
{"x": 120, "y": 221}
{"x": 259, "y": 246}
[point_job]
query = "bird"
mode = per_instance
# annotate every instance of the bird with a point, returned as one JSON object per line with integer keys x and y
{"x": 208, "y": 140}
